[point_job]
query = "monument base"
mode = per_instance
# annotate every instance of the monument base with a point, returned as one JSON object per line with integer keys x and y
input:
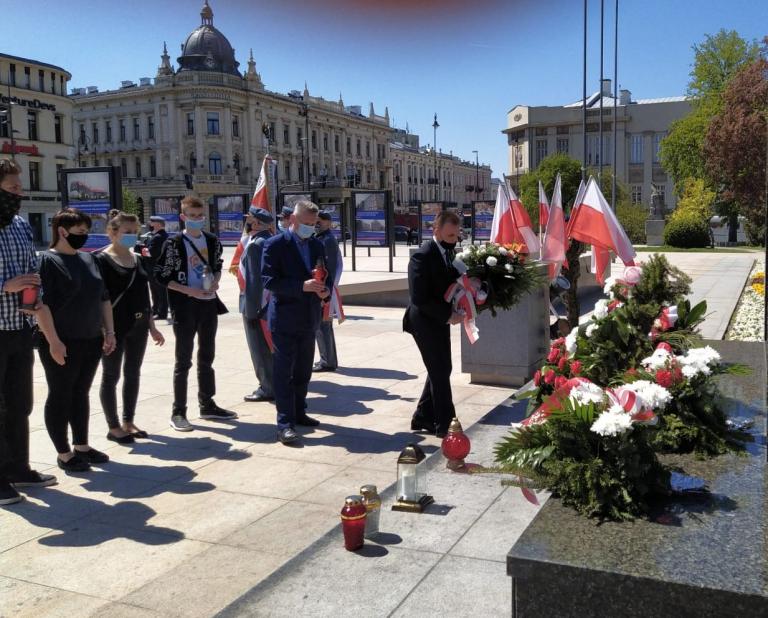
{"x": 654, "y": 232}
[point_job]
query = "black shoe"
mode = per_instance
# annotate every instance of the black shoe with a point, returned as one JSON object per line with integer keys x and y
{"x": 258, "y": 395}
{"x": 92, "y": 456}
{"x": 419, "y": 425}
{"x": 75, "y": 464}
{"x": 31, "y": 478}
{"x": 215, "y": 413}
{"x": 8, "y": 495}
{"x": 287, "y": 436}
{"x": 140, "y": 434}
{"x": 127, "y": 439}
{"x": 319, "y": 367}
{"x": 440, "y": 433}
{"x": 306, "y": 421}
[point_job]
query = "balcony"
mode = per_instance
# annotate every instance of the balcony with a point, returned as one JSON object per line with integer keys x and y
{"x": 215, "y": 178}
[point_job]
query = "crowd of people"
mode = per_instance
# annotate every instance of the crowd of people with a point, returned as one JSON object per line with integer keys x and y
{"x": 91, "y": 308}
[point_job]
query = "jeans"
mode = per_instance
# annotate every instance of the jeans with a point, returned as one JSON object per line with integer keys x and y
{"x": 16, "y": 359}
{"x": 293, "y": 356}
{"x": 261, "y": 355}
{"x": 196, "y": 318}
{"x": 68, "y": 386}
{"x": 326, "y": 344}
{"x": 130, "y": 349}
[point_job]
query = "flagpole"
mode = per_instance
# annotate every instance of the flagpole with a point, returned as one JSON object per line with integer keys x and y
{"x": 615, "y": 98}
{"x": 600, "y": 147}
{"x": 584, "y": 102}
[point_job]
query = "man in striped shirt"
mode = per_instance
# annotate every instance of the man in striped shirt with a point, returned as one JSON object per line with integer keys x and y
{"x": 18, "y": 270}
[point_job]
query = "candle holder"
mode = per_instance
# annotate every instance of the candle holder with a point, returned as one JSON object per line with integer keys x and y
{"x": 455, "y": 446}
{"x": 412, "y": 494}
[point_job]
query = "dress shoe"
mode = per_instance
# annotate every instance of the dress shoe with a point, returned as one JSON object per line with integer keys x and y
{"x": 319, "y": 367}
{"x": 287, "y": 436}
{"x": 419, "y": 425}
{"x": 126, "y": 439}
{"x": 440, "y": 433}
{"x": 306, "y": 421}
{"x": 258, "y": 395}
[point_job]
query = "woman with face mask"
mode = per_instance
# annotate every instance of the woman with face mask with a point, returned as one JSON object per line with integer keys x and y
{"x": 128, "y": 286}
{"x": 76, "y": 319}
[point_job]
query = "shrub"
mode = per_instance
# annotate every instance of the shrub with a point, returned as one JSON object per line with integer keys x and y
{"x": 632, "y": 217}
{"x": 686, "y": 231}
{"x": 696, "y": 200}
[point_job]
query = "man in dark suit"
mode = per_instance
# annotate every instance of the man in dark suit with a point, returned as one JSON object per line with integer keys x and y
{"x": 154, "y": 247}
{"x": 428, "y": 318}
{"x": 294, "y": 314}
{"x": 326, "y": 342}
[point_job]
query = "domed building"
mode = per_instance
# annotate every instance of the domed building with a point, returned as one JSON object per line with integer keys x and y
{"x": 207, "y": 49}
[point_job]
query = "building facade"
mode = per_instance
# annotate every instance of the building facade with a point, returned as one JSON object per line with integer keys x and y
{"x": 533, "y": 133}
{"x": 36, "y": 130}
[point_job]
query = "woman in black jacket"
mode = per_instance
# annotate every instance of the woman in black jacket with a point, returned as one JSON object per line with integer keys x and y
{"x": 128, "y": 286}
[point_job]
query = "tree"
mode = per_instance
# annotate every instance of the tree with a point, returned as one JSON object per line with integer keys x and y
{"x": 716, "y": 60}
{"x": 735, "y": 146}
{"x": 696, "y": 199}
{"x": 131, "y": 204}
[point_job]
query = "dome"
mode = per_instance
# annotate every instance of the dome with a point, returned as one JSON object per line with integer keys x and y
{"x": 207, "y": 49}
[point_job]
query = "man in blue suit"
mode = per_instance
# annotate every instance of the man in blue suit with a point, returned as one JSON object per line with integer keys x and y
{"x": 294, "y": 314}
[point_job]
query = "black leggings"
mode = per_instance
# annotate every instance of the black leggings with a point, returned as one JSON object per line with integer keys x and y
{"x": 68, "y": 387}
{"x": 130, "y": 347}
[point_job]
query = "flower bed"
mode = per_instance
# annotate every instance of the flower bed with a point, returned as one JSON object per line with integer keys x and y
{"x": 747, "y": 321}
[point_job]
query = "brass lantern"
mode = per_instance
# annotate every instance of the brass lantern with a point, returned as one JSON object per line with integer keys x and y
{"x": 412, "y": 481}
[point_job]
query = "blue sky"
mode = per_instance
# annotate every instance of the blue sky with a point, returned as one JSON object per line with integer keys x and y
{"x": 470, "y": 61}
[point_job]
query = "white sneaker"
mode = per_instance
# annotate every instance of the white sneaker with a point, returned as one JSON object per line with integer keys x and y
{"x": 180, "y": 423}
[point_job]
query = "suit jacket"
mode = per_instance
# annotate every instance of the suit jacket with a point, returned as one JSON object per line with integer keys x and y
{"x": 283, "y": 273}
{"x": 251, "y": 299}
{"x": 155, "y": 244}
{"x": 428, "y": 279}
{"x": 333, "y": 260}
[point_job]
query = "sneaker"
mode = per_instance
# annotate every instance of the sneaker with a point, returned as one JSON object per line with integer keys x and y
{"x": 180, "y": 423}
{"x": 215, "y": 413}
{"x": 92, "y": 456}
{"x": 74, "y": 464}
{"x": 8, "y": 495}
{"x": 31, "y": 478}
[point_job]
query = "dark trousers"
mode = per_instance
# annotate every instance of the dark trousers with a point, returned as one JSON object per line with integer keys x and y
{"x": 16, "y": 361}
{"x": 326, "y": 344}
{"x": 195, "y": 318}
{"x": 159, "y": 299}
{"x": 261, "y": 355}
{"x": 293, "y": 368}
{"x": 128, "y": 356}
{"x": 436, "y": 402}
{"x": 68, "y": 386}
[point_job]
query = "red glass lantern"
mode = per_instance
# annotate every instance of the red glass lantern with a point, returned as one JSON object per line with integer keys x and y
{"x": 455, "y": 446}
{"x": 353, "y": 522}
{"x": 29, "y": 297}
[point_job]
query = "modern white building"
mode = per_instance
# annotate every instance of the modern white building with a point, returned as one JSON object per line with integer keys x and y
{"x": 533, "y": 133}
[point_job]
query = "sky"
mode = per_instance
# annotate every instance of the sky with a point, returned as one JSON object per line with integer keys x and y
{"x": 469, "y": 61}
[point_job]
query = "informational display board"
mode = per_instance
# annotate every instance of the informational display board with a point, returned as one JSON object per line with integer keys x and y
{"x": 371, "y": 220}
{"x": 427, "y": 214}
{"x": 94, "y": 191}
{"x": 230, "y": 221}
{"x": 482, "y": 219}
{"x": 337, "y": 217}
{"x": 290, "y": 199}
{"x": 169, "y": 209}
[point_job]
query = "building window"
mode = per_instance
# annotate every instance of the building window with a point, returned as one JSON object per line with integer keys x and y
{"x": 518, "y": 156}
{"x": 368, "y": 177}
{"x": 314, "y": 139}
{"x": 192, "y": 162}
{"x": 287, "y": 172}
{"x": 636, "y": 149}
{"x": 562, "y": 145}
{"x": 637, "y": 194}
{"x": 5, "y": 126}
{"x": 122, "y": 130}
{"x": 151, "y": 127}
{"x": 541, "y": 131}
{"x": 235, "y": 126}
{"x": 213, "y": 123}
{"x": 314, "y": 170}
{"x": 236, "y": 163}
{"x": 124, "y": 168}
{"x": 349, "y": 145}
{"x": 190, "y": 123}
{"x": 662, "y": 191}
{"x": 108, "y": 126}
{"x": 95, "y": 131}
{"x": 137, "y": 166}
{"x": 299, "y": 137}
{"x": 368, "y": 149}
{"x": 82, "y": 134}
{"x": 32, "y": 125}
{"x": 27, "y": 78}
{"x": 41, "y": 80}
{"x": 286, "y": 135}
{"x": 53, "y": 83}
{"x": 214, "y": 164}
{"x": 593, "y": 149}
{"x": 136, "y": 129}
{"x": 359, "y": 146}
{"x": 336, "y": 143}
{"x": 34, "y": 176}
{"x": 61, "y": 85}
{"x": 301, "y": 172}
{"x": 12, "y": 75}
{"x": 152, "y": 167}
{"x": 541, "y": 151}
{"x": 325, "y": 142}
{"x": 657, "y": 137}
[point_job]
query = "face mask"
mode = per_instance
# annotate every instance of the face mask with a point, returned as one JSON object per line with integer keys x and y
{"x": 76, "y": 241}
{"x": 448, "y": 246}
{"x": 129, "y": 240}
{"x": 10, "y": 203}
{"x": 194, "y": 225}
{"x": 304, "y": 231}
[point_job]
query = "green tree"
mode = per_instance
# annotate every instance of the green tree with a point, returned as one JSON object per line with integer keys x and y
{"x": 696, "y": 200}
{"x": 131, "y": 204}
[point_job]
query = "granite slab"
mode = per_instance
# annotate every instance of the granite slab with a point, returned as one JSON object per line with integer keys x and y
{"x": 701, "y": 556}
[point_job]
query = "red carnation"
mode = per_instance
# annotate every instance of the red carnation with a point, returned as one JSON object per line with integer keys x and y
{"x": 549, "y": 377}
{"x": 562, "y": 364}
{"x": 575, "y": 368}
{"x": 557, "y": 343}
{"x": 664, "y": 377}
{"x": 553, "y": 355}
{"x": 560, "y": 381}
{"x": 537, "y": 377}
{"x": 677, "y": 374}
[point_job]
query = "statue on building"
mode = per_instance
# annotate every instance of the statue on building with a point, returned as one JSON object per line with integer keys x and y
{"x": 658, "y": 208}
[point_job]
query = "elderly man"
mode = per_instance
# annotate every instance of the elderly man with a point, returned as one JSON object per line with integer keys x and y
{"x": 326, "y": 343}
{"x": 294, "y": 314}
{"x": 253, "y": 302}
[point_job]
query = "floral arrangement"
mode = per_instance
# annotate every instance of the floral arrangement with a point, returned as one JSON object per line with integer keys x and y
{"x": 757, "y": 283}
{"x": 747, "y": 321}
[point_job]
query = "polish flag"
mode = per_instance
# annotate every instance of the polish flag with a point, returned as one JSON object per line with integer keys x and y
{"x": 511, "y": 223}
{"x": 579, "y": 196}
{"x": 593, "y": 222}
{"x": 543, "y": 207}
{"x": 553, "y": 249}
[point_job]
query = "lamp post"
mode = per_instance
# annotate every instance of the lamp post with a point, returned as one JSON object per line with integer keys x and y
{"x": 304, "y": 111}
{"x": 477, "y": 172}
{"x": 8, "y": 111}
{"x": 82, "y": 140}
{"x": 435, "y": 125}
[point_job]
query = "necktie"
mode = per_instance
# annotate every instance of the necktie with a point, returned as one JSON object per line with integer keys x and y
{"x": 449, "y": 255}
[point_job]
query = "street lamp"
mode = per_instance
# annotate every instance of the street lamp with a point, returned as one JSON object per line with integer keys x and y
{"x": 8, "y": 111}
{"x": 83, "y": 141}
{"x": 304, "y": 111}
{"x": 435, "y": 125}
{"x": 477, "y": 173}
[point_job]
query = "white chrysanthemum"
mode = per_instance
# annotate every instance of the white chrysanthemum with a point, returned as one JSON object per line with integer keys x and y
{"x": 690, "y": 371}
{"x": 591, "y": 328}
{"x": 653, "y": 395}
{"x": 503, "y": 250}
{"x": 613, "y": 422}
{"x": 491, "y": 261}
{"x": 570, "y": 341}
{"x": 586, "y": 392}
{"x": 509, "y": 267}
{"x": 601, "y": 309}
{"x": 706, "y": 355}
{"x": 461, "y": 256}
{"x": 608, "y": 289}
{"x": 657, "y": 360}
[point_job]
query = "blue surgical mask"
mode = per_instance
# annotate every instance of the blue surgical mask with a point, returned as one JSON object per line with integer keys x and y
{"x": 129, "y": 240}
{"x": 304, "y": 231}
{"x": 194, "y": 225}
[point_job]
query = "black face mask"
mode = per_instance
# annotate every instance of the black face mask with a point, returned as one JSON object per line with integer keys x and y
{"x": 448, "y": 246}
{"x": 10, "y": 203}
{"x": 76, "y": 241}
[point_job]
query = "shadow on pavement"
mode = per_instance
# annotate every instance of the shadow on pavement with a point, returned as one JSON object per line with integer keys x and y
{"x": 365, "y": 441}
{"x": 345, "y": 400}
{"x": 374, "y": 373}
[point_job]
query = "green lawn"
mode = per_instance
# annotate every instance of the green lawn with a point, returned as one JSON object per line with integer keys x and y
{"x": 666, "y": 249}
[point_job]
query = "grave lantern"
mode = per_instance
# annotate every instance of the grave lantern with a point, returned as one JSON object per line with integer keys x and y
{"x": 411, "y": 481}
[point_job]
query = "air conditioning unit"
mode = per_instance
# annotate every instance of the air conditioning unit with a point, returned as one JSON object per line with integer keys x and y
{"x": 78, "y": 91}
{"x": 127, "y": 83}
{"x": 145, "y": 81}
{"x": 93, "y": 89}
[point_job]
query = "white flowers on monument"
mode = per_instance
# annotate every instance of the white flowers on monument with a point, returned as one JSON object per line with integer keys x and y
{"x": 587, "y": 392}
{"x": 503, "y": 251}
{"x": 509, "y": 268}
{"x": 570, "y": 341}
{"x": 591, "y": 328}
{"x": 608, "y": 288}
{"x": 491, "y": 261}
{"x": 657, "y": 360}
{"x": 613, "y": 422}
{"x": 601, "y": 309}
{"x": 698, "y": 361}
{"x": 653, "y": 395}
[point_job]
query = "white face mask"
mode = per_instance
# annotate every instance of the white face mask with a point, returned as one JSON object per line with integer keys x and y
{"x": 304, "y": 231}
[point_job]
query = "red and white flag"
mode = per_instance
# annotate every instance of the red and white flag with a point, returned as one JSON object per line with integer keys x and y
{"x": 543, "y": 207}
{"x": 554, "y": 246}
{"x": 511, "y": 223}
{"x": 579, "y": 196}
{"x": 593, "y": 222}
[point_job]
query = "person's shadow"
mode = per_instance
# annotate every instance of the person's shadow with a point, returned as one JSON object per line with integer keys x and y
{"x": 345, "y": 399}
{"x": 374, "y": 373}
{"x": 364, "y": 441}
